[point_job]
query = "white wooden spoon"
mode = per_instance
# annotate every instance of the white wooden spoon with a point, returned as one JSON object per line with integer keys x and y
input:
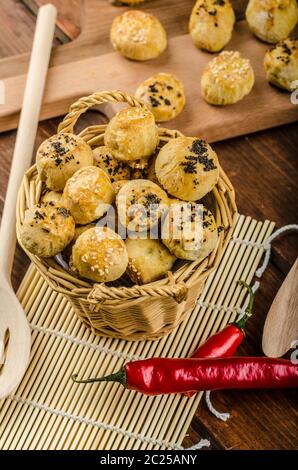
{"x": 281, "y": 325}
{"x": 12, "y": 316}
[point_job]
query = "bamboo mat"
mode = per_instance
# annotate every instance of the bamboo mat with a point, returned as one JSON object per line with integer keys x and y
{"x": 49, "y": 411}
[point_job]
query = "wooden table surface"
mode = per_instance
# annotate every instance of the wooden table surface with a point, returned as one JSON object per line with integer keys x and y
{"x": 263, "y": 168}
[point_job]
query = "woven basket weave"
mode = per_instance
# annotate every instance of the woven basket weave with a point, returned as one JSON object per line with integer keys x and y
{"x": 130, "y": 312}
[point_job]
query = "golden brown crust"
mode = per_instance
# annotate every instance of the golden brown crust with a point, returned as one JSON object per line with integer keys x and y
{"x": 132, "y": 135}
{"x": 227, "y": 78}
{"x": 99, "y": 254}
{"x": 140, "y": 204}
{"x": 88, "y": 194}
{"x": 211, "y": 24}
{"x": 164, "y": 94}
{"x": 47, "y": 229}
{"x": 115, "y": 169}
{"x": 138, "y": 35}
{"x": 187, "y": 168}
{"x": 272, "y": 20}
{"x": 281, "y": 64}
{"x": 59, "y": 157}
{"x": 189, "y": 231}
{"x": 148, "y": 260}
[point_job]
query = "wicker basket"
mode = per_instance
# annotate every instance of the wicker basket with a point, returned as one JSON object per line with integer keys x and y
{"x": 130, "y": 312}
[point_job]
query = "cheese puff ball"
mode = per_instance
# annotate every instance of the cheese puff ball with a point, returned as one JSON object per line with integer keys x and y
{"x": 47, "y": 229}
{"x": 187, "y": 168}
{"x": 88, "y": 194}
{"x": 137, "y": 35}
{"x": 189, "y": 231}
{"x": 227, "y": 78}
{"x": 148, "y": 260}
{"x": 115, "y": 169}
{"x": 281, "y": 64}
{"x": 59, "y": 157}
{"x": 272, "y": 20}
{"x": 140, "y": 205}
{"x": 132, "y": 135}
{"x": 164, "y": 94}
{"x": 99, "y": 254}
{"x": 211, "y": 24}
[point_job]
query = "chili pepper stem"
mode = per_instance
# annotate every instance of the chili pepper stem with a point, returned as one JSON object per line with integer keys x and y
{"x": 248, "y": 312}
{"x": 119, "y": 377}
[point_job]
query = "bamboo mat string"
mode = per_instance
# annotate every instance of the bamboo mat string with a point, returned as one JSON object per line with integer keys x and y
{"x": 108, "y": 427}
{"x": 80, "y": 342}
{"x": 267, "y": 246}
{"x": 259, "y": 273}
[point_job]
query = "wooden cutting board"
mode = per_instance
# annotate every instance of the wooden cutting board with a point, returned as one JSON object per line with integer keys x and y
{"x": 74, "y": 75}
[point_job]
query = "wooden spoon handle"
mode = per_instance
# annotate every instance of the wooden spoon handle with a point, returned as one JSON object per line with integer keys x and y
{"x": 281, "y": 325}
{"x": 27, "y": 128}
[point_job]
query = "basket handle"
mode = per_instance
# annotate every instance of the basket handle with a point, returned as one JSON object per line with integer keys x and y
{"x": 87, "y": 102}
{"x": 102, "y": 293}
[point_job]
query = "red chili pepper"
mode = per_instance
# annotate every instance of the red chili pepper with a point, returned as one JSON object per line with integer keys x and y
{"x": 226, "y": 342}
{"x": 158, "y": 376}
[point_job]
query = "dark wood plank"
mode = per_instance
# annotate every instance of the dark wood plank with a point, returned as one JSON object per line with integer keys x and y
{"x": 16, "y": 28}
{"x": 263, "y": 168}
{"x": 175, "y": 22}
{"x": 70, "y": 21}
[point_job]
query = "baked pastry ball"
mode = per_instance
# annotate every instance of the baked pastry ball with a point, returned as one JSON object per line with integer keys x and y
{"x": 227, "y": 78}
{"x": 187, "y": 168}
{"x": 138, "y": 35}
{"x": 148, "y": 260}
{"x": 211, "y": 24}
{"x": 132, "y": 135}
{"x": 47, "y": 229}
{"x": 163, "y": 93}
{"x": 189, "y": 231}
{"x": 88, "y": 194}
{"x": 99, "y": 254}
{"x": 140, "y": 205}
{"x": 281, "y": 64}
{"x": 272, "y": 20}
{"x": 115, "y": 169}
{"x": 59, "y": 157}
